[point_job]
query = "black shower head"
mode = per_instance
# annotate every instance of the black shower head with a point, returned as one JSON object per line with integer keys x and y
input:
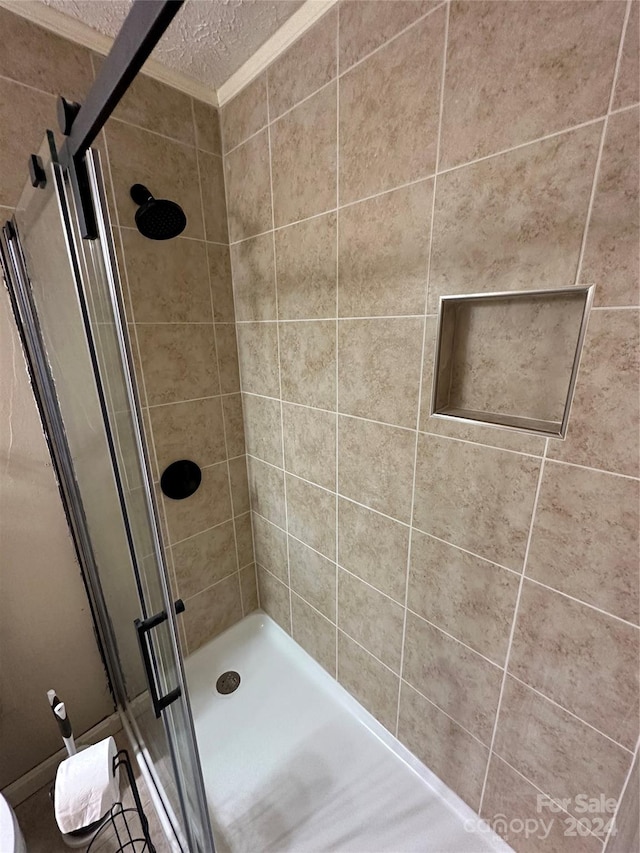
{"x": 157, "y": 218}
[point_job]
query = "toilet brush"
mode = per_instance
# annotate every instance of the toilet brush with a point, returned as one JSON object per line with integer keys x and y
{"x": 64, "y": 723}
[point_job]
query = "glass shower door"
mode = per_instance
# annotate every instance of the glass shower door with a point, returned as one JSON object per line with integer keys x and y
{"x": 66, "y": 293}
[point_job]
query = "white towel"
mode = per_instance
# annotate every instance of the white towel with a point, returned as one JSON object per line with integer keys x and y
{"x": 86, "y": 787}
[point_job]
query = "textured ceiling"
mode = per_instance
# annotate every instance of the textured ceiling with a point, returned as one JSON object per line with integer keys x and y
{"x": 208, "y": 40}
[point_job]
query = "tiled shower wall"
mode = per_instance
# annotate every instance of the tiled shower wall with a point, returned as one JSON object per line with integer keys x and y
{"x": 179, "y": 305}
{"x": 476, "y": 589}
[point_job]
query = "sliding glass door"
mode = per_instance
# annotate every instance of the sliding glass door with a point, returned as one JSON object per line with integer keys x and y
{"x": 66, "y": 295}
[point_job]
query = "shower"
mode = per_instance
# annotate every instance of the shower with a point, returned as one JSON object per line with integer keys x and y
{"x": 157, "y": 218}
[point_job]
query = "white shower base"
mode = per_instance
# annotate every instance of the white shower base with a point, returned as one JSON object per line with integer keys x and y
{"x": 292, "y": 762}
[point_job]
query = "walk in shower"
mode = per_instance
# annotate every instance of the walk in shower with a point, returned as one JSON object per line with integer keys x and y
{"x": 315, "y": 571}
{"x": 288, "y": 762}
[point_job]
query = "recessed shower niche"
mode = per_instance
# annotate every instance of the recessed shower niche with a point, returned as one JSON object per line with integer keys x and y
{"x": 510, "y": 359}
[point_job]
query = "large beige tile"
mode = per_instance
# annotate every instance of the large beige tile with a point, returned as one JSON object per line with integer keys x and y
{"x": 221, "y": 286}
{"x": 263, "y": 428}
{"x": 583, "y": 660}
{"x": 208, "y": 506}
{"x": 514, "y": 222}
{"x": 626, "y": 831}
{"x": 207, "y": 126}
{"x": 192, "y": 430}
{"x": 249, "y": 589}
{"x": 313, "y": 577}
{"x": 389, "y": 108}
{"x": 238, "y": 477}
{"x": 306, "y": 263}
{"x": 233, "y": 425}
{"x": 179, "y": 361}
{"x": 311, "y": 513}
{"x": 379, "y": 369}
{"x": 305, "y": 66}
{"x": 628, "y": 82}
{"x": 511, "y": 55}
{"x": 270, "y": 544}
{"x": 467, "y": 597}
{"x": 556, "y": 752}
{"x": 266, "y": 489}
{"x": 446, "y": 748}
{"x": 244, "y": 539}
{"x": 375, "y": 465}
{"x": 212, "y": 611}
{"x": 249, "y": 209}
{"x": 43, "y": 60}
{"x": 370, "y": 618}
{"x": 373, "y": 547}
{"x": 366, "y": 26}
{"x": 303, "y": 157}
{"x": 258, "y": 354}
{"x": 611, "y": 252}
{"x": 372, "y": 684}
{"x": 460, "y": 682}
{"x": 314, "y": 633}
{"x": 479, "y": 498}
{"x": 168, "y": 279}
{"x": 245, "y": 114}
{"x": 214, "y": 205}
{"x": 509, "y": 800}
{"x": 607, "y": 382}
{"x": 254, "y": 283}
{"x": 227, "y": 352}
{"x": 308, "y": 363}
{"x": 205, "y": 559}
{"x": 585, "y": 538}
{"x": 167, "y": 168}
{"x": 21, "y": 134}
{"x": 384, "y": 253}
{"x": 155, "y": 106}
{"x": 310, "y": 444}
{"x": 274, "y": 599}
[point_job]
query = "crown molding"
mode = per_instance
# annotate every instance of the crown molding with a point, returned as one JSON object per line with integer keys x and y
{"x": 292, "y": 29}
{"x": 73, "y": 30}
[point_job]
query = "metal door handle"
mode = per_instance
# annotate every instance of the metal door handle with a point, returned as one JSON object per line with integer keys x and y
{"x": 143, "y": 626}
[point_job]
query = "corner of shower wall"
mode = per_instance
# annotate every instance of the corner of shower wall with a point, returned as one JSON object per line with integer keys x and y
{"x": 179, "y": 308}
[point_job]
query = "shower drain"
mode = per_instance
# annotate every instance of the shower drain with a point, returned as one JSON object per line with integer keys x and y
{"x": 228, "y": 682}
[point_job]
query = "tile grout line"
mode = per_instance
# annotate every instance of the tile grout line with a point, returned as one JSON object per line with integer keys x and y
{"x": 441, "y": 630}
{"x": 142, "y": 393}
{"x": 513, "y": 626}
{"x": 336, "y": 77}
{"x": 275, "y": 284}
{"x": 494, "y": 447}
{"x": 558, "y": 802}
{"x": 594, "y": 188}
{"x": 571, "y": 713}
{"x": 234, "y": 324}
{"x": 623, "y": 791}
{"x": 215, "y": 344}
{"x": 337, "y": 372}
{"x": 563, "y": 131}
{"x": 596, "y": 173}
{"x": 421, "y": 375}
{"x": 453, "y": 545}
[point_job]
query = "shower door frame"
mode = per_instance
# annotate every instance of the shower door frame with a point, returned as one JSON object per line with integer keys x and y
{"x": 26, "y": 315}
